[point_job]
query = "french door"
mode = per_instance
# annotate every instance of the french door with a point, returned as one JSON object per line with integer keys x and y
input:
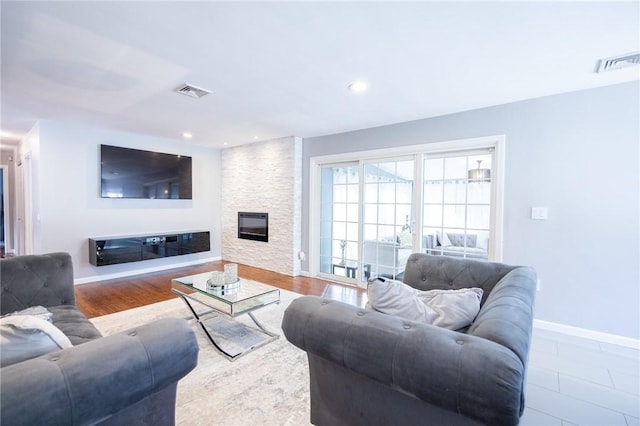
{"x": 366, "y": 218}
{"x": 388, "y": 219}
{"x": 372, "y": 213}
{"x": 457, "y": 201}
{"x": 339, "y": 219}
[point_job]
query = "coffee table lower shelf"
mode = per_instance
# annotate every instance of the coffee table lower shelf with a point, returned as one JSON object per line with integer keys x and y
{"x": 231, "y": 338}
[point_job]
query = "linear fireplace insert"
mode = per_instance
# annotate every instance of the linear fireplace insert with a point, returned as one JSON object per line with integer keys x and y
{"x": 253, "y": 226}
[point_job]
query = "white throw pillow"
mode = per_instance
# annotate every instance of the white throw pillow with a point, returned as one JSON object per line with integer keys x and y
{"x": 443, "y": 239}
{"x": 452, "y": 309}
{"x": 24, "y": 337}
{"x": 36, "y": 311}
{"x": 396, "y": 298}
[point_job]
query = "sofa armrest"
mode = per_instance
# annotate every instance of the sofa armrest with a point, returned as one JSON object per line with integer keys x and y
{"x": 91, "y": 382}
{"x": 516, "y": 293}
{"x": 468, "y": 375}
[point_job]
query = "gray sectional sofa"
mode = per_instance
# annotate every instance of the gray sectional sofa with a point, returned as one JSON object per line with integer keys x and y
{"x": 370, "y": 368}
{"x": 126, "y": 378}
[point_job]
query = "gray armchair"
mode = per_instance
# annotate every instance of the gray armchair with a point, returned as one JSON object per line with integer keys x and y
{"x": 127, "y": 378}
{"x": 369, "y": 368}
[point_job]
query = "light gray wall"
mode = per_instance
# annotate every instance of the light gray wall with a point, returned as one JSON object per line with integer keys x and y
{"x": 578, "y": 155}
{"x": 71, "y": 210}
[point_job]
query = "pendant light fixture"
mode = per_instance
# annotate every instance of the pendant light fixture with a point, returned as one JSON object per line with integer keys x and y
{"x": 479, "y": 175}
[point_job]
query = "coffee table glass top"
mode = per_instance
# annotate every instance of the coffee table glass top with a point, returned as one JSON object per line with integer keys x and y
{"x": 248, "y": 296}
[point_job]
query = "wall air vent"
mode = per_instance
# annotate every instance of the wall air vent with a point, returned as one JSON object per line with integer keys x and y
{"x": 192, "y": 91}
{"x": 618, "y": 62}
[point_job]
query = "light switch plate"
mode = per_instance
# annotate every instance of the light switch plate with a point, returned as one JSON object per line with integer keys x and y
{"x": 539, "y": 213}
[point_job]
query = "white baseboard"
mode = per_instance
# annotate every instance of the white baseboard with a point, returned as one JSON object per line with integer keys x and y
{"x": 95, "y": 278}
{"x": 613, "y": 339}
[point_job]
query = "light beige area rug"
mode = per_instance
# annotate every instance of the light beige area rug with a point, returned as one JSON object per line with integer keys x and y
{"x": 269, "y": 386}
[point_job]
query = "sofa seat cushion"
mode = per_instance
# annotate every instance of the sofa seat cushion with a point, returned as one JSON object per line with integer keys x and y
{"x": 74, "y": 324}
{"x": 452, "y": 309}
{"x": 24, "y": 337}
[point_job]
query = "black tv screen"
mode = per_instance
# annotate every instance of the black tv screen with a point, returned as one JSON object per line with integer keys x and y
{"x": 134, "y": 173}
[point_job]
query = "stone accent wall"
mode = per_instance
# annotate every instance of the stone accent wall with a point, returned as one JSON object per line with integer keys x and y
{"x": 264, "y": 177}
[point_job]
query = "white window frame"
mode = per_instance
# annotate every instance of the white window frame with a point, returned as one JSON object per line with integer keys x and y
{"x": 497, "y": 143}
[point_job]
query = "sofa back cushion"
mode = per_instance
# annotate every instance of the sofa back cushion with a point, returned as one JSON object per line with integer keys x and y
{"x": 33, "y": 280}
{"x": 462, "y": 240}
{"x": 427, "y": 272}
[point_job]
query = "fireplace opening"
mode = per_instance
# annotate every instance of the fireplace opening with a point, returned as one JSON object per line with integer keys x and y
{"x": 253, "y": 226}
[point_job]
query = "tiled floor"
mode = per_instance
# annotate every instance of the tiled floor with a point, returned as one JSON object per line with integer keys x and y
{"x": 576, "y": 381}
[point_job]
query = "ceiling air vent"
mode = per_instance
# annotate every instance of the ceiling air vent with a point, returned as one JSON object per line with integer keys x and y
{"x": 618, "y": 62}
{"x": 192, "y": 91}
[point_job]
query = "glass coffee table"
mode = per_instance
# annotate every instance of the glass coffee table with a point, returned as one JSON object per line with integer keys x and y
{"x": 216, "y": 310}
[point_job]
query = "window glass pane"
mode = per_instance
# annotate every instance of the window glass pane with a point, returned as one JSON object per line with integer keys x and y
{"x": 325, "y": 228}
{"x": 370, "y": 213}
{"x": 370, "y": 173}
{"x": 386, "y": 233}
{"x": 371, "y": 192}
{"x": 352, "y": 193}
{"x": 353, "y": 177}
{"x": 404, "y": 192}
{"x": 387, "y": 214}
{"x": 403, "y": 215}
{"x": 339, "y": 176}
{"x": 485, "y": 161}
{"x": 352, "y": 231}
{"x": 454, "y": 216}
{"x": 455, "y": 168}
{"x": 370, "y": 232}
{"x": 352, "y": 212}
{"x": 478, "y": 217}
{"x": 387, "y": 193}
{"x": 339, "y": 194}
{"x": 455, "y": 191}
{"x": 404, "y": 171}
{"x": 434, "y": 169}
{"x": 339, "y": 212}
{"x": 432, "y": 216}
{"x": 479, "y": 192}
{"x": 351, "y": 250}
{"x": 339, "y": 231}
{"x": 433, "y": 192}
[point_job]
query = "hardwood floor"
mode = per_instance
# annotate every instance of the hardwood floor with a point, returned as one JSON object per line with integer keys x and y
{"x": 107, "y": 297}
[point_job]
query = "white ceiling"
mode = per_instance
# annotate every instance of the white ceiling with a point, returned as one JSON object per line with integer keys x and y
{"x": 282, "y": 69}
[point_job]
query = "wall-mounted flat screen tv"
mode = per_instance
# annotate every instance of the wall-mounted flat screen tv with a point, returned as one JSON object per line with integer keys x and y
{"x": 134, "y": 173}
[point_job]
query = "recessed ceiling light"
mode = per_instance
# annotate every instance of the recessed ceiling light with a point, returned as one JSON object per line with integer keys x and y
{"x": 358, "y": 86}
{"x": 187, "y": 135}
{"x": 255, "y": 138}
{"x": 225, "y": 143}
